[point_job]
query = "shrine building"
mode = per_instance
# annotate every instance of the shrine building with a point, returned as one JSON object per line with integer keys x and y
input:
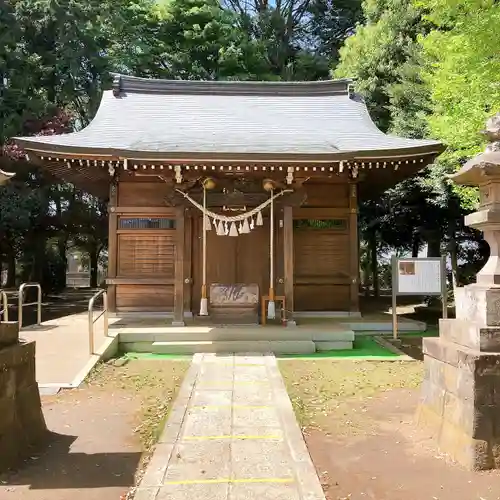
{"x": 274, "y": 171}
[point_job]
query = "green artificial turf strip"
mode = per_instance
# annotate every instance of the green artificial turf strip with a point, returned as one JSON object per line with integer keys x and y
{"x": 365, "y": 346}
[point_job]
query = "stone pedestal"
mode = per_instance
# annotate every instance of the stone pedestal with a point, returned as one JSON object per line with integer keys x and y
{"x": 22, "y": 425}
{"x": 460, "y": 399}
{"x": 461, "y": 389}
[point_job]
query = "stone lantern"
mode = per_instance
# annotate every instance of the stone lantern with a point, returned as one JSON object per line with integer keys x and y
{"x": 461, "y": 390}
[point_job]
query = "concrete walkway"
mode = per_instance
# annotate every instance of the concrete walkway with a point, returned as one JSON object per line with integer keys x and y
{"x": 62, "y": 349}
{"x": 231, "y": 435}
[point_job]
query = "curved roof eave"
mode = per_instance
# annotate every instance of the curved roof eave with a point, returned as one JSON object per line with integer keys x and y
{"x": 185, "y": 156}
{"x": 253, "y": 121}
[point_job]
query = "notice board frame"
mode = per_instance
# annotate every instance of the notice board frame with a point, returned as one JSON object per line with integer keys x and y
{"x": 443, "y": 292}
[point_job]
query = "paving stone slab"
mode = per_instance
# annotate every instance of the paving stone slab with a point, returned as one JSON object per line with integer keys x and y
{"x": 250, "y": 373}
{"x": 255, "y": 416}
{"x": 207, "y": 423}
{"x": 258, "y": 432}
{"x": 232, "y": 435}
{"x": 194, "y": 492}
{"x": 260, "y": 459}
{"x": 266, "y": 491}
{"x": 212, "y": 397}
{"x": 253, "y": 394}
{"x": 199, "y": 460}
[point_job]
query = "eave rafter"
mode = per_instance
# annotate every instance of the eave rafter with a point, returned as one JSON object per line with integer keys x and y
{"x": 95, "y": 172}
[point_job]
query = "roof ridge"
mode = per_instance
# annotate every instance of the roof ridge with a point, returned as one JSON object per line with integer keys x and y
{"x": 125, "y": 83}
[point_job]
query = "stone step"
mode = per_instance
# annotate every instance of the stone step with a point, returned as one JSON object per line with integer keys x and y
{"x": 333, "y": 346}
{"x": 199, "y": 334}
{"x": 236, "y": 346}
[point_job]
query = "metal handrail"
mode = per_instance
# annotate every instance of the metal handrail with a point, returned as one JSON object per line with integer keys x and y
{"x": 92, "y": 321}
{"x": 4, "y": 300}
{"x": 37, "y": 303}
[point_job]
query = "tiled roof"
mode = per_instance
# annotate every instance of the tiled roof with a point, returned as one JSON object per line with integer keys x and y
{"x": 164, "y": 116}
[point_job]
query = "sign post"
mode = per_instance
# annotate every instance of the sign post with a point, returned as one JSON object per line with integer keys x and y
{"x": 418, "y": 276}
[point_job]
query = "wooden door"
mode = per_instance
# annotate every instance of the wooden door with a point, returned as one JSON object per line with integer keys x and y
{"x": 231, "y": 260}
{"x": 252, "y": 257}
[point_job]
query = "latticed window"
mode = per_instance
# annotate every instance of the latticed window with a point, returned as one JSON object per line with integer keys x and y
{"x": 146, "y": 223}
{"x": 334, "y": 224}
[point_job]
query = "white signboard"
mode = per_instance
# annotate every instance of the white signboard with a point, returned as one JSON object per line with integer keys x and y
{"x": 419, "y": 277}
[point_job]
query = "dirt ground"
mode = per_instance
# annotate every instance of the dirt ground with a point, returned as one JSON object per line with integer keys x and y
{"x": 101, "y": 434}
{"x": 358, "y": 421}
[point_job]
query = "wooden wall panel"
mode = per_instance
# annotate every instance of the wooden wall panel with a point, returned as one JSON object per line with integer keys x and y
{"x": 321, "y": 253}
{"x": 144, "y": 297}
{"x": 322, "y": 297}
{"x": 146, "y": 254}
{"x": 142, "y": 194}
{"x": 327, "y": 195}
{"x": 321, "y": 270}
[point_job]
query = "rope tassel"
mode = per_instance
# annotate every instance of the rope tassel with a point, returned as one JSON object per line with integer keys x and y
{"x": 260, "y": 220}
{"x": 245, "y": 229}
{"x": 233, "y": 231}
{"x": 208, "y": 226}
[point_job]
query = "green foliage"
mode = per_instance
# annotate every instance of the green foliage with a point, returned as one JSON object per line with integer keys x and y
{"x": 56, "y": 57}
{"x": 462, "y": 71}
{"x": 377, "y": 54}
{"x": 415, "y": 88}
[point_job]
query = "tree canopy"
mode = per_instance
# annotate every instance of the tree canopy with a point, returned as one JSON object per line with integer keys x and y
{"x": 426, "y": 68}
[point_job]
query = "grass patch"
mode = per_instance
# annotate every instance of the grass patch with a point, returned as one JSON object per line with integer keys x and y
{"x": 155, "y": 383}
{"x": 321, "y": 388}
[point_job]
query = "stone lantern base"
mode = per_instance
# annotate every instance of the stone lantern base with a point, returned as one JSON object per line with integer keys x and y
{"x": 460, "y": 399}
{"x": 22, "y": 425}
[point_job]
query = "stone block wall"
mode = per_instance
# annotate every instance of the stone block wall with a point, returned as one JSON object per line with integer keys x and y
{"x": 22, "y": 425}
{"x": 460, "y": 399}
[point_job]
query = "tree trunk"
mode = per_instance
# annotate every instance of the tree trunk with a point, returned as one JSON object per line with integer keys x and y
{"x": 453, "y": 250}
{"x": 374, "y": 262}
{"x": 94, "y": 262}
{"x": 434, "y": 244}
{"x": 11, "y": 270}
{"x": 62, "y": 248}
{"x": 415, "y": 246}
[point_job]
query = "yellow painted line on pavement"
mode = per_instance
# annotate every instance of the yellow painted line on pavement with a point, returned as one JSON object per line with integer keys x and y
{"x": 230, "y": 365}
{"x": 208, "y": 438}
{"x": 281, "y": 480}
{"x": 245, "y": 407}
{"x": 231, "y": 382}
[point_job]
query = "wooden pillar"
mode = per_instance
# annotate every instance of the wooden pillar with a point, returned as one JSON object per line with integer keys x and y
{"x": 288, "y": 262}
{"x": 112, "y": 245}
{"x": 188, "y": 264}
{"x": 353, "y": 247}
{"x": 179, "y": 267}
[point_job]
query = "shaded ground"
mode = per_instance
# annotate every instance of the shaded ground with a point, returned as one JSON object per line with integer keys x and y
{"x": 71, "y": 301}
{"x": 102, "y": 433}
{"x": 409, "y": 307}
{"x": 358, "y": 421}
{"x": 410, "y": 345}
